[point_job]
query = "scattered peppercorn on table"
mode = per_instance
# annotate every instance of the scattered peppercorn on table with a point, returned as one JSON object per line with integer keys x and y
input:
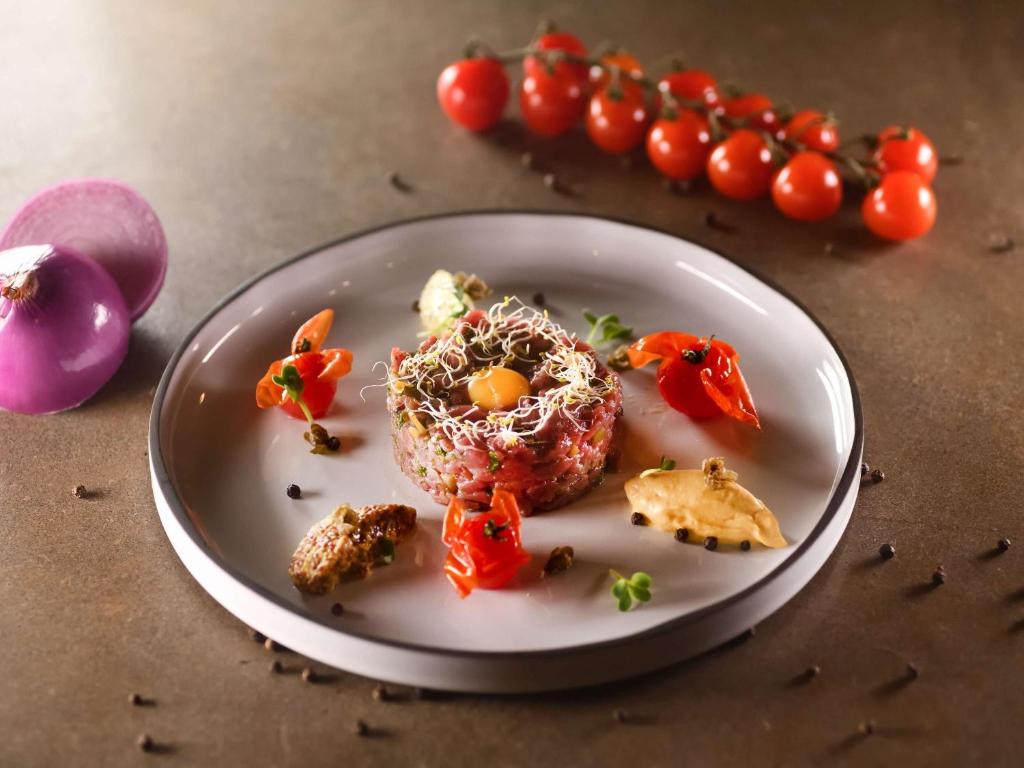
{"x": 258, "y": 130}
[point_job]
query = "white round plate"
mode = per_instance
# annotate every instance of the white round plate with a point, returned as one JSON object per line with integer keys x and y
{"x": 220, "y": 466}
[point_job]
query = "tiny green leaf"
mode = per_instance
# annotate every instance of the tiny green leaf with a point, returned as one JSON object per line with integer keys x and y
{"x": 619, "y": 588}
{"x": 665, "y": 465}
{"x": 641, "y": 579}
{"x": 640, "y": 594}
{"x": 494, "y": 461}
{"x": 625, "y": 602}
{"x": 605, "y": 328}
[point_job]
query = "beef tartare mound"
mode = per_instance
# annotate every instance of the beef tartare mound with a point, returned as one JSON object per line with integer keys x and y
{"x": 504, "y": 399}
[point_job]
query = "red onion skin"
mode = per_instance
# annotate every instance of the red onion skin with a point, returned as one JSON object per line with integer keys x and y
{"x": 62, "y": 343}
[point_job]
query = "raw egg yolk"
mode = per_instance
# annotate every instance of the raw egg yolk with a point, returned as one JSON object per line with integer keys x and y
{"x": 497, "y": 389}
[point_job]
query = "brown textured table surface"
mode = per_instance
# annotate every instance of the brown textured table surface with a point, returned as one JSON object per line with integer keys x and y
{"x": 260, "y": 129}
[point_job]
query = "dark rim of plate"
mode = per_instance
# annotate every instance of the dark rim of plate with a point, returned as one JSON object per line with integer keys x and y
{"x": 158, "y": 466}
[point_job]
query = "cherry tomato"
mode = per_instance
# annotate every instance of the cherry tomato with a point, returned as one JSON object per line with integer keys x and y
{"x": 808, "y": 188}
{"x": 473, "y": 92}
{"x": 901, "y": 207}
{"x": 755, "y": 106}
{"x": 485, "y": 551}
{"x": 697, "y": 376}
{"x": 679, "y": 147}
{"x": 906, "y": 149}
{"x": 741, "y": 166}
{"x": 552, "y": 104}
{"x": 812, "y": 129}
{"x": 558, "y": 41}
{"x": 318, "y": 368}
{"x": 691, "y": 85}
{"x": 599, "y": 78}
{"x": 317, "y": 393}
{"x": 616, "y": 120}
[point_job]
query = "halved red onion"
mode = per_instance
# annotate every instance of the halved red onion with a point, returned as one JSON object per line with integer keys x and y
{"x": 105, "y": 220}
{"x": 64, "y": 328}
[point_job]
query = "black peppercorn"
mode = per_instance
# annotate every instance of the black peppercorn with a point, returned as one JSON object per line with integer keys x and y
{"x": 939, "y": 576}
{"x": 538, "y": 299}
{"x": 745, "y": 545}
{"x": 867, "y": 727}
{"x": 361, "y": 728}
{"x": 887, "y": 551}
{"x": 145, "y": 742}
{"x": 271, "y": 645}
{"x": 379, "y": 692}
{"x": 337, "y": 609}
{"x": 416, "y": 306}
{"x": 711, "y": 543}
{"x": 78, "y": 491}
{"x": 620, "y": 715}
{"x": 865, "y": 468}
{"x": 309, "y": 675}
{"x": 682, "y": 534}
{"x": 256, "y": 635}
{"x": 333, "y": 443}
{"x": 877, "y": 475}
{"x": 637, "y": 518}
{"x": 293, "y": 491}
{"x": 1003, "y": 544}
{"x": 912, "y": 671}
{"x": 136, "y": 700}
{"x": 813, "y": 671}
{"x": 275, "y": 667}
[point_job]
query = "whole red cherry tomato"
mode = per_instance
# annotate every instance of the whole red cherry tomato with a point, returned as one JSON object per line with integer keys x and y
{"x": 756, "y": 107}
{"x": 558, "y": 41}
{"x": 473, "y": 92}
{"x": 318, "y": 368}
{"x": 552, "y": 104}
{"x": 808, "y": 188}
{"x": 616, "y": 119}
{"x": 691, "y": 85}
{"x": 906, "y": 149}
{"x": 697, "y": 376}
{"x": 901, "y": 207}
{"x": 812, "y": 129}
{"x": 679, "y": 147}
{"x": 741, "y": 166}
{"x": 626, "y": 62}
{"x": 485, "y": 551}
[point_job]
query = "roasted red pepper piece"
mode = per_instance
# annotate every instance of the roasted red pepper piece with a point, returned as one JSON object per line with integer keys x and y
{"x": 698, "y": 376}
{"x": 485, "y": 549}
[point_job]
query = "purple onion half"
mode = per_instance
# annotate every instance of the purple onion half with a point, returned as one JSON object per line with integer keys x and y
{"x": 64, "y": 328}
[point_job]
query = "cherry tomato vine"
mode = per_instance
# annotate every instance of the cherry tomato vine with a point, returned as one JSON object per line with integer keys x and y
{"x": 747, "y": 145}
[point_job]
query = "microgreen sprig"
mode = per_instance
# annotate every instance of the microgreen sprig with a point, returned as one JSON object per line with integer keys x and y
{"x": 636, "y": 587}
{"x": 665, "y": 465}
{"x": 291, "y": 382}
{"x": 605, "y": 328}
